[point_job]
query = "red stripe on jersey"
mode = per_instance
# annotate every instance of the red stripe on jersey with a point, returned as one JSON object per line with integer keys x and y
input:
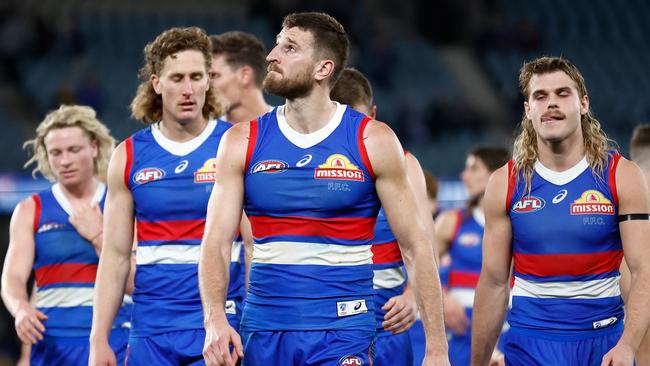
{"x": 37, "y": 211}
{"x": 171, "y": 230}
{"x": 128, "y": 144}
{"x": 362, "y": 147}
{"x": 386, "y": 253}
{"x": 511, "y": 184}
{"x": 612, "y": 177}
{"x": 66, "y": 273}
{"x": 567, "y": 264}
{"x": 459, "y": 223}
{"x": 463, "y": 279}
{"x": 355, "y": 228}
{"x": 252, "y": 141}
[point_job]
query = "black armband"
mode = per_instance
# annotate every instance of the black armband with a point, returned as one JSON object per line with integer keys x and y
{"x": 634, "y": 216}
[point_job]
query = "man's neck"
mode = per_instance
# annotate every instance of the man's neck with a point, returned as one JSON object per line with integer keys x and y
{"x": 182, "y": 131}
{"x": 563, "y": 155}
{"x": 311, "y": 113}
{"x": 82, "y": 192}
{"x": 251, "y": 106}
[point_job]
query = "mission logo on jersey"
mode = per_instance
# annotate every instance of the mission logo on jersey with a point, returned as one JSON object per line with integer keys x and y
{"x": 592, "y": 202}
{"x": 206, "y": 173}
{"x": 338, "y": 166}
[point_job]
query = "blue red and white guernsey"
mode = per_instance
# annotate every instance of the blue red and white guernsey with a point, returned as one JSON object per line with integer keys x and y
{"x": 65, "y": 266}
{"x": 567, "y": 251}
{"x": 171, "y": 183}
{"x": 388, "y": 266}
{"x": 312, "y": 204}
{"x": 466, "y": 253}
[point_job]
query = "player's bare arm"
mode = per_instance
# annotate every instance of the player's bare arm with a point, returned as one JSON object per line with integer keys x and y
{"x": 491, "y": 297}
{"x": 115, "y": 261}
{"x": 402, "y": 309}
{"x": 633, "y": 198}
{"x": 16, "y": 271}
{"x": 223, "y": 220}
{"x": 397, "y": 198}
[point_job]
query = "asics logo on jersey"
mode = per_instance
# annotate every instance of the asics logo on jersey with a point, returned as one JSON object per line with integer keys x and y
{"x": 528, "y": 204}
{"x": 270, "y": 166}
{"x": 181, "y": 167}
{"x": 560, "y": 196}
{"x": 147, "y": 175}
{"x": 350, "y": 361}
{"x": 304, "y": 161}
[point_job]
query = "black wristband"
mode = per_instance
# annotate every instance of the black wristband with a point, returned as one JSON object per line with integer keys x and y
{"x": 634, "y": 216}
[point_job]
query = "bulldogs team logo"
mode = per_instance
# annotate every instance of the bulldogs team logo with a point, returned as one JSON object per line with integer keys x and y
{"x": 592, "y": 202}
{"x": 147, "y": 175}
{"x": 206, "y": 173}
{"x": 270, "y": 166}
{"x": 528, "y": 204}
{"x": 350, "y": 361}
{"x": 338, "y": 166}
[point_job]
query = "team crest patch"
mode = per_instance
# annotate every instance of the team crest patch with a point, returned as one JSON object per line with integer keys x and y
{"x": 350, "y": 361}
{"x": 206, "y": 173}
{"x": 147, "y": 175}
{"x": 592, "y": 202}
{"x": 528, "y": 204}
{"x": 338, "y": 166}
{"x": 270, "y": 166}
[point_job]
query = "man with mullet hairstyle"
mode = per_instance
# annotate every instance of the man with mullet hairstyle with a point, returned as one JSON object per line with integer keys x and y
{"x": 565, "y": 210}
{"x": 159, "y": 180}
{"x": 311, "y": 176}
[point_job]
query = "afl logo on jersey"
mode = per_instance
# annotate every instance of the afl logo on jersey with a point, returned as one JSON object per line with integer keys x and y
{"x": 206, "y": 173}
{"x": 270, "y": 166}
{"x": 350, "y": 361}
{"x": 469, "y": 239}
{"x": 528, "y": 204}
{"x": 147, "y": 175}
{"x": 592, "y": 202}
{"x": 338, "y": 166}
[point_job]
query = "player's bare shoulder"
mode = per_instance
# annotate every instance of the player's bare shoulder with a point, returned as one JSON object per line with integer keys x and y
{"x": 496, "y": 191}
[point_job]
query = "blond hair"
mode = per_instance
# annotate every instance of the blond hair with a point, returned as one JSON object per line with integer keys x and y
{"x": 71, "y": 116}
{"x": 147, "y": 105}
{"x": 596, "y": 143}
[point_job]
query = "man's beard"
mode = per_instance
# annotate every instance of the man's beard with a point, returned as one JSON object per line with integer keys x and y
{"x": 300, "y": 86}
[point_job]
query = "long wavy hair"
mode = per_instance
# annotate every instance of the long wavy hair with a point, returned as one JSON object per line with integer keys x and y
{"x": 597, "y": 145}
{"x": 71, "y": 116}
{"x": 147, "y": 106}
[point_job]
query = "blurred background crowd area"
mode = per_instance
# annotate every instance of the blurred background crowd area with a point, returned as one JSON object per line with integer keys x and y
{"x": 444, "y": 72}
